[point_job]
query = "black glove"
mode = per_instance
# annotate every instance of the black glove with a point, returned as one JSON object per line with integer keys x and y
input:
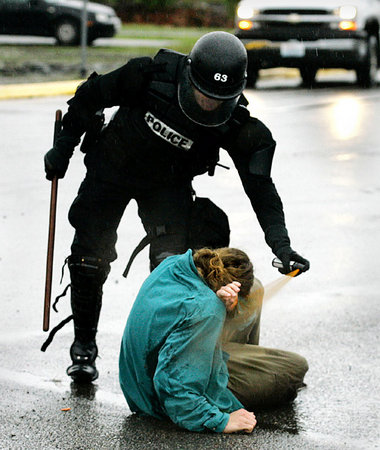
{"x": 286, "y": 254}
{"x": 57, "y": 159}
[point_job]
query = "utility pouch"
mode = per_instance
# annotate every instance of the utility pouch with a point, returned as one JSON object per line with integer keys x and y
{"x": 93, "y": 132}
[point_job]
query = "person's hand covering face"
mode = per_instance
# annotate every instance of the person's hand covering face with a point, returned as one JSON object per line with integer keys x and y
{"x": 229, "y": 295}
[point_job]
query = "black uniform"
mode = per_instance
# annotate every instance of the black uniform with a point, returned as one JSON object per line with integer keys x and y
{"x": 151, "y": 151}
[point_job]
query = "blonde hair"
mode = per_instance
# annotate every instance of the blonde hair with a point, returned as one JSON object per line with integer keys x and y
{"x": 221, "y": 266}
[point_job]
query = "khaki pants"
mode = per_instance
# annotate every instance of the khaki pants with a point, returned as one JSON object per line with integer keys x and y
{"x": 259, "y": 376}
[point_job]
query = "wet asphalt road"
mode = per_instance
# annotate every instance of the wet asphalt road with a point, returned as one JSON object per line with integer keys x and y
{"x": 326, "y": 169}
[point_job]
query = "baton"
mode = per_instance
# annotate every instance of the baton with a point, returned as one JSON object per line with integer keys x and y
{"x": 50, "y": 249}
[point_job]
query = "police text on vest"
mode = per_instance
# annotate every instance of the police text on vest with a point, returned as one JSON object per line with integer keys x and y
{"x": 165, "y": 132}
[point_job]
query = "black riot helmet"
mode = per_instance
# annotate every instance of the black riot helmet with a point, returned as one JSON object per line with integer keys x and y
{"x": 213, "y": 78}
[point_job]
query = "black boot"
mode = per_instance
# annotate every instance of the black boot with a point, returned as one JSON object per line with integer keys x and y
{"x": 83, "y": 355}
{"x": 87, "y": 278}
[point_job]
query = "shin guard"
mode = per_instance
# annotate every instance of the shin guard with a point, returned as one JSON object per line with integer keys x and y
{"x": 87, "y": 278}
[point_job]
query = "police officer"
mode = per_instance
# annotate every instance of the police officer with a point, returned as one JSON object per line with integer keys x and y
{"x": 175, "y": 112}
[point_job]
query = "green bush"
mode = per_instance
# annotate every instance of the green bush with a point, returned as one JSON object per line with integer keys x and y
{"x": 162, "y": 5}
{"x": 231, "y": 6}
{"x": 148, "y": 5}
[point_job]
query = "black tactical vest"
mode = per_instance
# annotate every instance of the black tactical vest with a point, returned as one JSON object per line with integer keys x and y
{"x": 166, "y": 119}
{"x": 154, "y": 140}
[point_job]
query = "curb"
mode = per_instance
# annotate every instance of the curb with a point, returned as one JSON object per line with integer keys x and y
{"x": 55, "y": 88}
{"x": 29, "y": 90}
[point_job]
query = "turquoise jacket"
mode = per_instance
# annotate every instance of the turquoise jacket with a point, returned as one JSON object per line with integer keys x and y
{"x": 171, "y": 363}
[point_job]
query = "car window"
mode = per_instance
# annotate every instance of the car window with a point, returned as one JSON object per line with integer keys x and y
{"x": 13, "y": 3}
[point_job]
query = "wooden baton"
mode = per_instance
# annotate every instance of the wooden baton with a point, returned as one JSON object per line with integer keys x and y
{"x": 50, "y": 249}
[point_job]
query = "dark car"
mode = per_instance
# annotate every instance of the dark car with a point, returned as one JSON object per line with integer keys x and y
{"x": 58, "y": 18}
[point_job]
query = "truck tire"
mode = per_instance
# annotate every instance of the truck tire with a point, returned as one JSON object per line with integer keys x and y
{"x": 366, "y": 73}
{"x": 308, "y": 75}
{"x": 67, "y": 32}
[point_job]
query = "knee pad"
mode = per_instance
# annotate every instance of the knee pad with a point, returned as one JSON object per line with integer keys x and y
{"x": 87, "y": 272}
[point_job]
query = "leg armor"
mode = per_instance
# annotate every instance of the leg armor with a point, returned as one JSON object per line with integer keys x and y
{"x": 88, "y": 275}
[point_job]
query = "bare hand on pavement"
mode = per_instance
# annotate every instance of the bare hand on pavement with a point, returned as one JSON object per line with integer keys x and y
{"x": 241, "y": 420}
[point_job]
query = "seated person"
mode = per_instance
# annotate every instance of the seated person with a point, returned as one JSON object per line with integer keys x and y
{"x": 171, "y": 358}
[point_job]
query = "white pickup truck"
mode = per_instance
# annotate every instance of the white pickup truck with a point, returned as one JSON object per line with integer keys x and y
{"x": 309, "y": 35}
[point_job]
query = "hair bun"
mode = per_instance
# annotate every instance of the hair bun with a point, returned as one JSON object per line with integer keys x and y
{"x": 222, "y": 266}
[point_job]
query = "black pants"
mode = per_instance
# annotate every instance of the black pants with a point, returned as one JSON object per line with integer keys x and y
{"x": 97, "y": 210}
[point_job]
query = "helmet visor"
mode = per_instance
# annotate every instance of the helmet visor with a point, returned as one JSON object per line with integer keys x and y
{"x": 201, "y": 109}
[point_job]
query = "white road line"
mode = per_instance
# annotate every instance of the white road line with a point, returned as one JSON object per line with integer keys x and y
{"x": 33, "y": 381}
{"x": 12, "y": 336}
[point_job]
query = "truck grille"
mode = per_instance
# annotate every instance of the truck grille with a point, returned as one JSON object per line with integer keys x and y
{"x": 302, "y": 12}
{"x": 304, "y": 23}
{"x": 268, "y": 25}
{"x": 301, "y": 32}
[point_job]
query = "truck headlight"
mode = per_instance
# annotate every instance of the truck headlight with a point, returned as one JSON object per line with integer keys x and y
{"x": 245, "y": 25}
{"x": 348, "y": 25}
{"x": 347, "y": 12}
{"x": 102, "y": 17}
{"x": 245, "y": 11}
